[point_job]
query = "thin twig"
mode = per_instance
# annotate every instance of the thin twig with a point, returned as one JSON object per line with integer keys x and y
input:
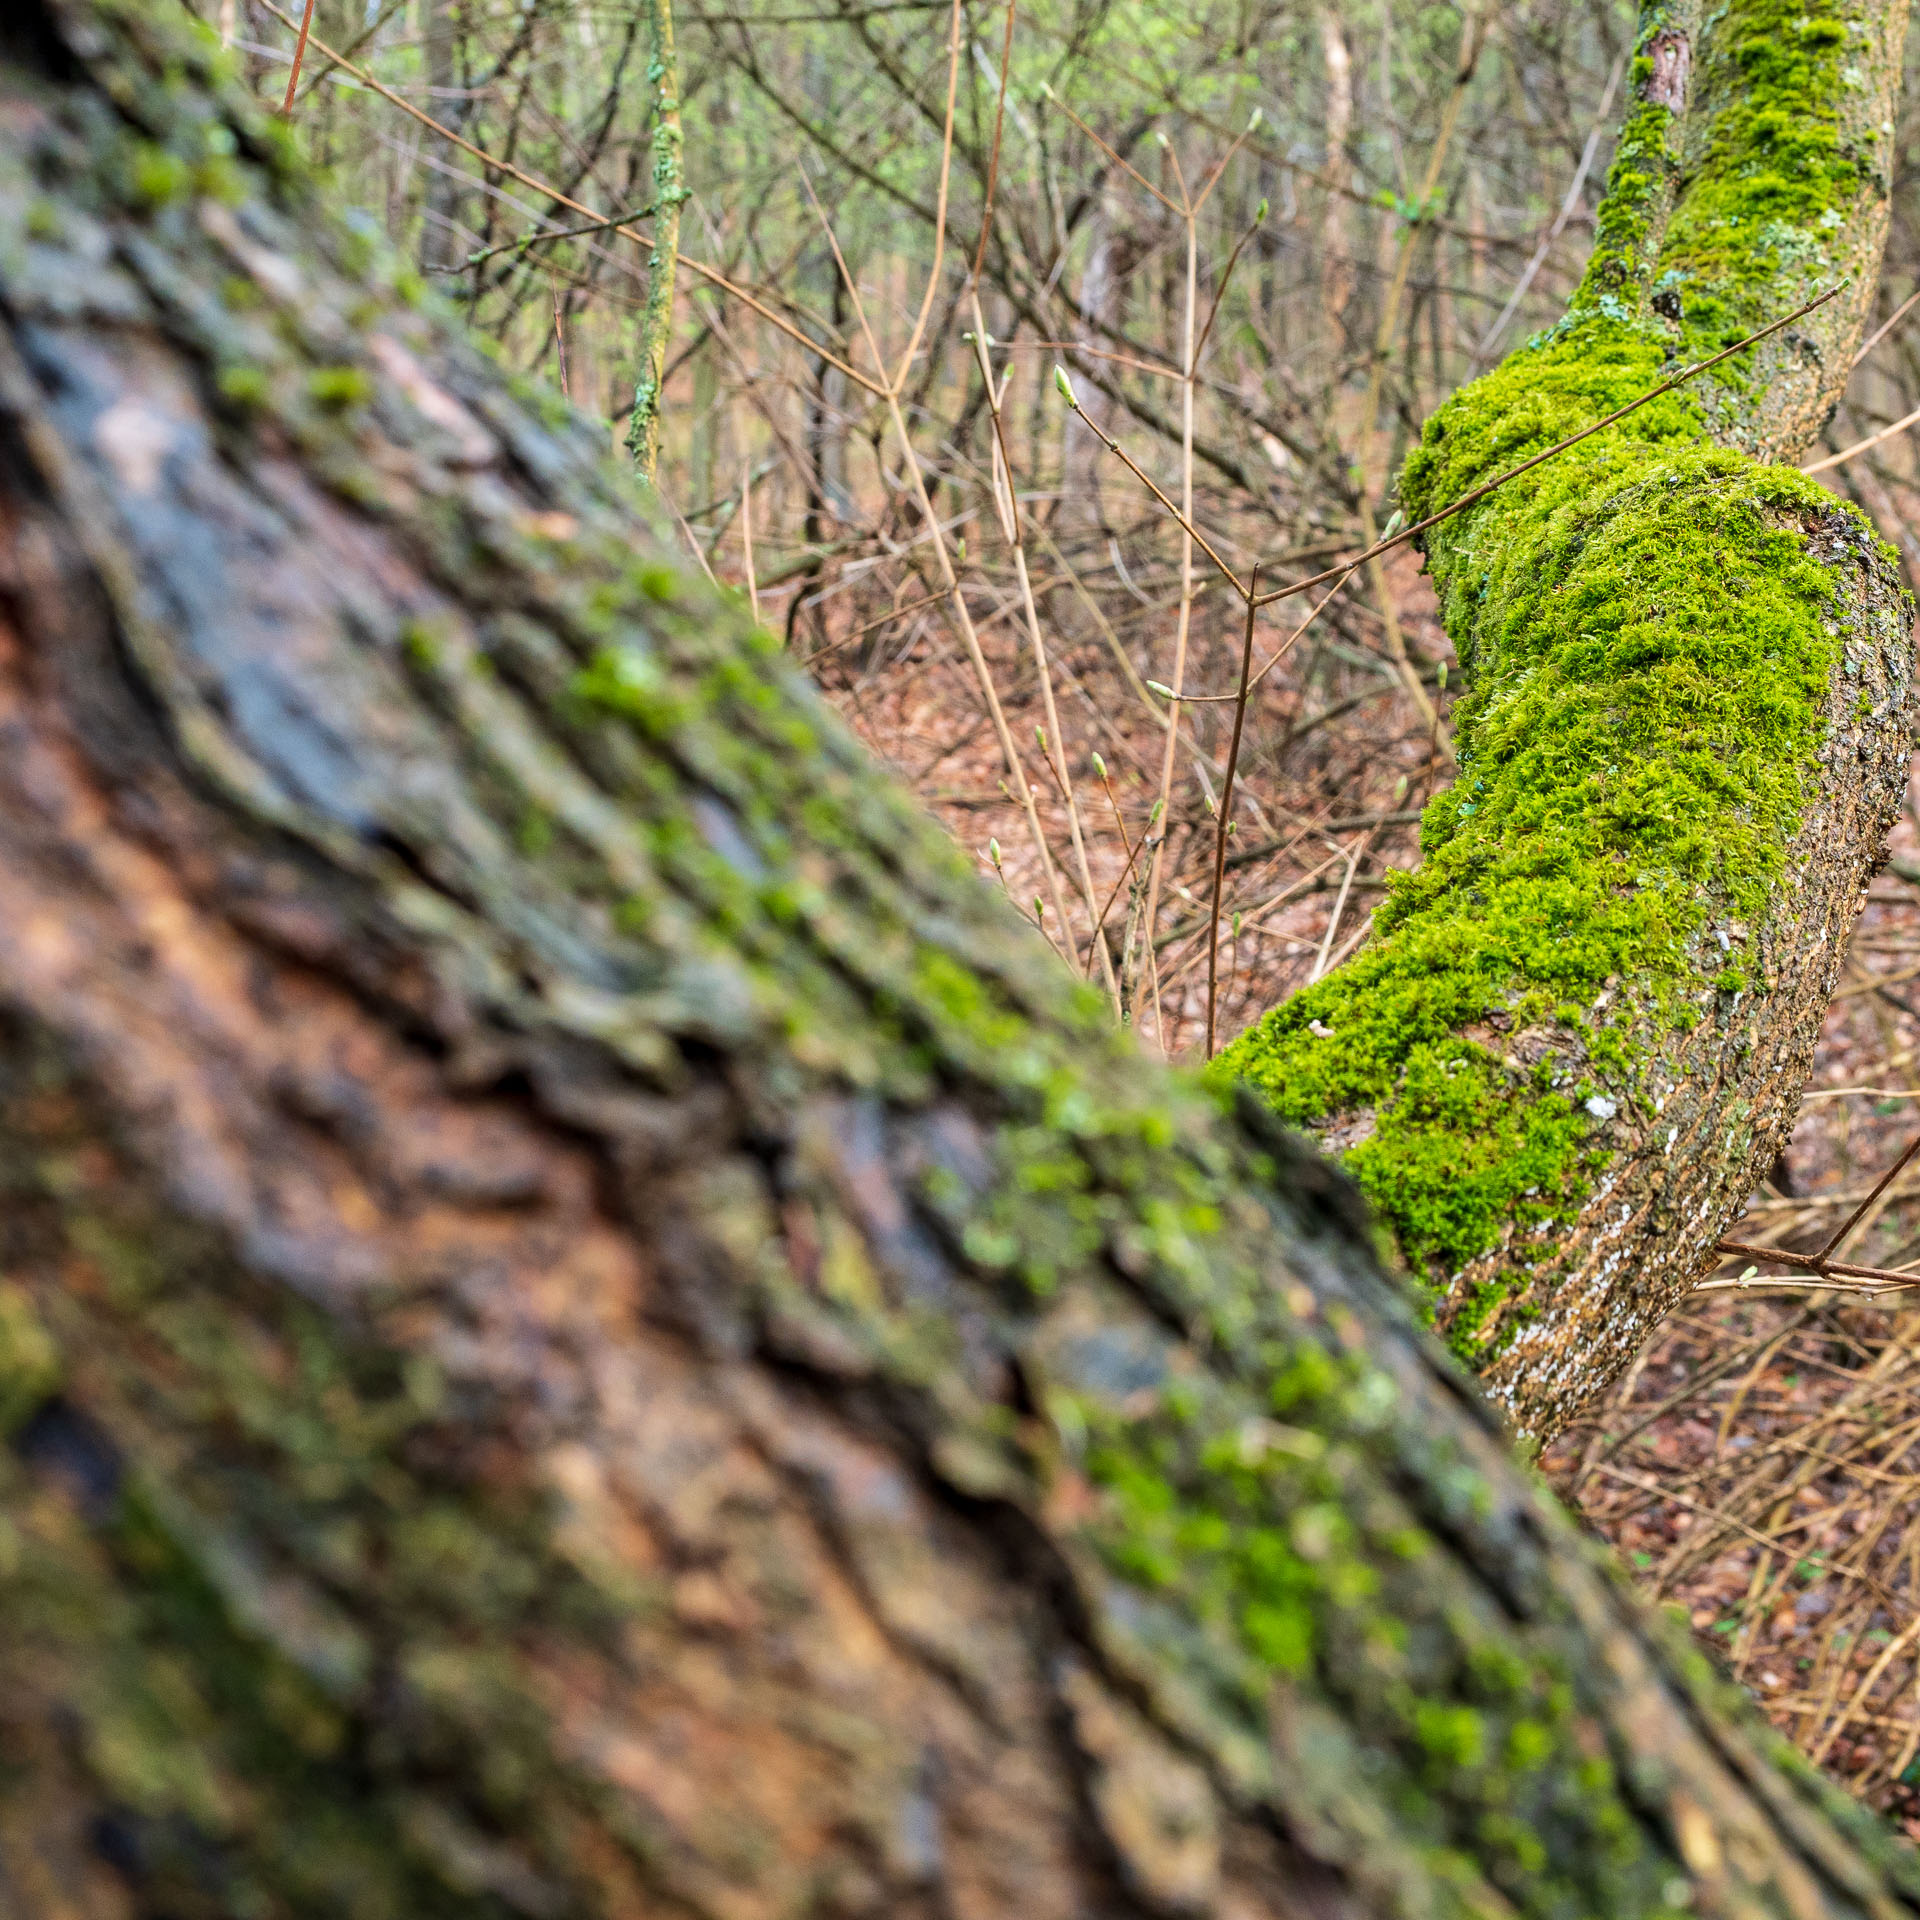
{"x": 299, "y": 54}
{"x": 1280, "y": 652}
{"x": 1007, "y": 505}
{"x": 1887, "y": 325}
{"x": 993, "y": 158}
{"x": 940, "y": 208}
{"x": 1226, "y": 806}
{"x": 712, "y": 275}
{"x": 949, "y": 579}
{"x": 1185, "y": 525}
{"x": 1339, "y": 907}
{"x": 1226, "y": 274}
{"x": 1859, "y": 447}
{"x": 1473, "y": 497}
{"x": 530, "y": 239}
{"x": 746, "y": 537}
{"x": 1804, "y": 1263}
{"x": 1853, "y": 1219}
{"x": 1053, "y": 100}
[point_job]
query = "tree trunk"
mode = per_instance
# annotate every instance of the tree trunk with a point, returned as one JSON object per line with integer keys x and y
{"x": 445, "y": 240}
{"x": 1581, "y": 1033}
{"x": 590, "y": 1326}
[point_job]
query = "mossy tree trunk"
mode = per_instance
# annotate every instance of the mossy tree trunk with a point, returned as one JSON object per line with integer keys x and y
{"x": 1580, "y": 1035}
{"x": 589, "y": 1325}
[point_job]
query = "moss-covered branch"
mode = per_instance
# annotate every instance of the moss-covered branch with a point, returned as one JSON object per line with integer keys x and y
{"x": 1583, "y": 1027}
{"x": 669, "y": 195}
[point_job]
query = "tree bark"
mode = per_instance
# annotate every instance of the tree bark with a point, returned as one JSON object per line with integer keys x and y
{"x": 445, "y": 240}
{"x": 1581, "y": 1034}
{"x": 590, "y": 1326}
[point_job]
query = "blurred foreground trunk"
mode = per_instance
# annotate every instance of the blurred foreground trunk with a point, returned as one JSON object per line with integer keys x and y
{"x": 589, "y": 1325}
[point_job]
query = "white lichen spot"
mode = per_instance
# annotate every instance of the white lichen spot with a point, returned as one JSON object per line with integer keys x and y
{"x": 136, "y": 439}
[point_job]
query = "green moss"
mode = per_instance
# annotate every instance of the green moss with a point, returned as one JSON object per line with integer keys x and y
{"x": 1647, "y": 645}
{"x": 155, "y": 177}
{"x": 29, "y": 1360}
{"x": 1776, "y": 177}
{"x": 1649, "y": 650}
{"x": 243, "y": 388}
{"x": 337, "y": 388}
{"x": 322, "y": 1647}
{"x": 630, "y": 680}
{"x": 1639, "y": 185}
{"x": 1257, "y": 1536}
{"x": 1454, "y": 1736}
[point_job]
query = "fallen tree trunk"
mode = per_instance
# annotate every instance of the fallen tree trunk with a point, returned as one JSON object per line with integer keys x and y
{"x": 589, "y": 1326}
{"x": 1580, "y": 1035}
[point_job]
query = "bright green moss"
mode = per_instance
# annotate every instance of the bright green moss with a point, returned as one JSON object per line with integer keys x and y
{"x": 1648, "y": 646}
{"x": 155, "y": 177}
{"x": 338, "y": 388}
{"x": 1454, "y": 1736}
{"x": 1777, "y": 176}
{"x": 1650, "y": 651}
{"x": 1628, "y": 227}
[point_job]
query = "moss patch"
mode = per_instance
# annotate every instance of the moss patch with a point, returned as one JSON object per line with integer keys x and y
{"x": 1647, "y": 644}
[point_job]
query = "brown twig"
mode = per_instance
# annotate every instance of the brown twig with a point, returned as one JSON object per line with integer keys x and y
{"x": 1813, "y": 1264}
{"x": 1402, "y": 535}
{"x": 712, "y": 275}
{"x": 1053, "y": 100}
{"x": 1120, "y": 453}
{"x": 1226, "y": 274}
{"x": 1226, "y": 805}
{"x": 299, "y": 54}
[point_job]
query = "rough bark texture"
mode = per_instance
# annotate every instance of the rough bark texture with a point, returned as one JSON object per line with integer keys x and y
{"x": 1581, "y": 1033}
{"x": 589, "y": 1325}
